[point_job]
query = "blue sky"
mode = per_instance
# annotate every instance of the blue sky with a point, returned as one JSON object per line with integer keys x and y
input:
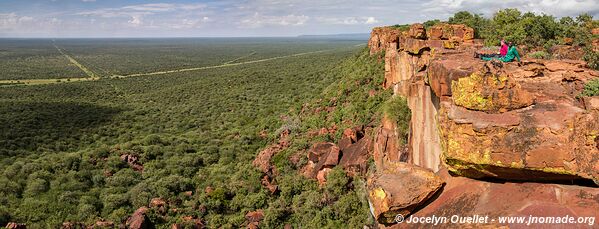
{"x": 201, "y": 18}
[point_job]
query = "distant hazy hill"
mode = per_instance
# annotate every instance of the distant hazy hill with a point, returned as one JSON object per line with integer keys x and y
{"x": 348, "y": 36}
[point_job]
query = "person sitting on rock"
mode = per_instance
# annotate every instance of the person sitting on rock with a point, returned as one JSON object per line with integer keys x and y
{"x": 504, "y": 48}
{"x": 511, "y": 54}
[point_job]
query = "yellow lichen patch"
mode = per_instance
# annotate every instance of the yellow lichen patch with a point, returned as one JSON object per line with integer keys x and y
{"x": 517, "y": 165}
{"x": 467, "y": 93}
{"x": 378, "y": 193}
{"x": 448, "y": 45}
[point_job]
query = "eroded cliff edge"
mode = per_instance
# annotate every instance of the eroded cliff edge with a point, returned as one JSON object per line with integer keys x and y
{"x": 485, "y": 132}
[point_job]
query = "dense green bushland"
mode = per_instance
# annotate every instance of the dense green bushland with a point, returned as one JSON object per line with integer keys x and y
{"x": 60, "y": 144}
{"x": 34, "y": 59}
{"x": 38, "y": 58}
{"x": 108, "y": 57}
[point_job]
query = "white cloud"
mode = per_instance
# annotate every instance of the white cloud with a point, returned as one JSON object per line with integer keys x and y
{"x": 371, "y": 20}
{"x": 258, "y": 20}
{"x": 348, "y": 20}
{"x": 264, "y": 17}
{"x": 14, "y": 21}
{"x": 136, "y": 20}
{"x": 8, "y": 20}
{"x": 141, "y": 9}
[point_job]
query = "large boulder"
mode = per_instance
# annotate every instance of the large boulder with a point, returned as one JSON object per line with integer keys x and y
{"x": 442, "y": 72}
{"x": 400, "y": 188}
{"x": 417, "y": 31}
{"x": 354, "y": 159}
{"x": 467, "y": 197}
{"x": 320, "y": 156}
{"x": 490, "y": 91}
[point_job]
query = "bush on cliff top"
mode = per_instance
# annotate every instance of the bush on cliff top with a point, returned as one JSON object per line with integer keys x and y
{"x": 528, "y": 28}
{"x": 591, "y": 88}
{"x": 592, "y": 58}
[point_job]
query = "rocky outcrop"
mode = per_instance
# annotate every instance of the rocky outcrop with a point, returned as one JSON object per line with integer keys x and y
{"x": 160, "y": 205}
{"x": 132, "y": 161}
{"x": 323, "y": 155}
{"x": 351, "y": 153}
{"x": 13, "y": 225}
{"x": 492, "y": 120}
{"x": 139, "y": 220}
{"x": 262, "y": 161}
{"x": 253, "y": 219}
{"x": 383, "y": 37}
{"x": 485, "y": 120}
{"x": 400, "y": 188}
{"x": 550, "y": 140}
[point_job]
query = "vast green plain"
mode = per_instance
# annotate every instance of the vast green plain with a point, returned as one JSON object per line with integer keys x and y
{"x": 60, "y": 143}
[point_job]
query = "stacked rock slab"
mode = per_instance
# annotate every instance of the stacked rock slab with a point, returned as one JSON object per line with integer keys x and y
{"x": 491, "y": 127}
{"x": 506, "y": 121}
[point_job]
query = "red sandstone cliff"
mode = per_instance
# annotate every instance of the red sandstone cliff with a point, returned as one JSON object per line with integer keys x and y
{"x": 508, "y": 122}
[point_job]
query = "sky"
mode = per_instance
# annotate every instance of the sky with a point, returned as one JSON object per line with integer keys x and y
{"x": 243, "y": 18}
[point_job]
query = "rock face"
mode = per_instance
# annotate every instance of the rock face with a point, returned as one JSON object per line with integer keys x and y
{"x": 483, "y": 120}
{"x": 490, "y": 91}
{"x": 409, "y": 67}
{"x": 399, "y": 189}
{"x": 383, "y": 37}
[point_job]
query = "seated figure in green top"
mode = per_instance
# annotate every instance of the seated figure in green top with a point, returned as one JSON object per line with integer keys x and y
{"x": 512, "y": 54}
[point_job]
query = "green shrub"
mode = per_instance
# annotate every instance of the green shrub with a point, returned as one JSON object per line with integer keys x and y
{"x": 592, "y": 58}
{"x": 591, "y": 88}
{"x": 36, "y": 186}
{"x": 397, "y": 110}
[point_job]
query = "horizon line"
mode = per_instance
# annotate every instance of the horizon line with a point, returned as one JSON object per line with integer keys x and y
{"x": 171, "y": 37}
